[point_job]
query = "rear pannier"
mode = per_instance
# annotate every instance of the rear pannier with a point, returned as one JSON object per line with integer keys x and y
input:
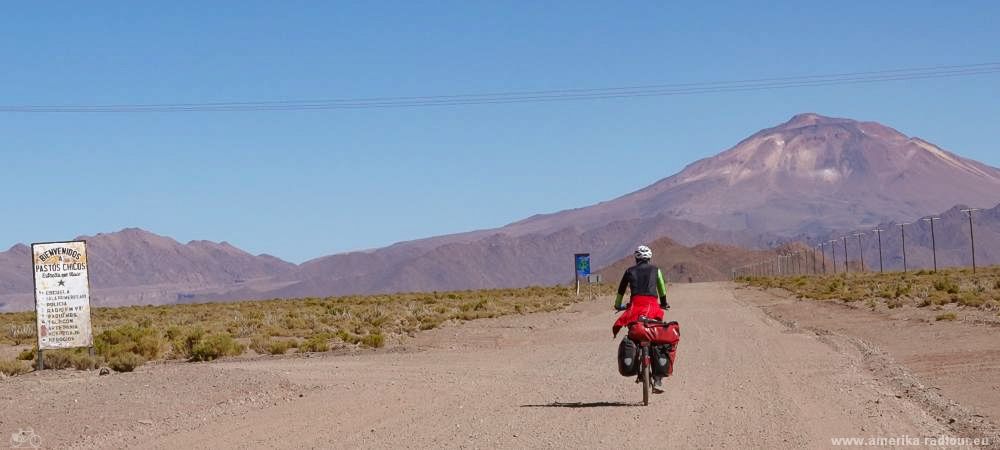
{"x": 628, "y": 361}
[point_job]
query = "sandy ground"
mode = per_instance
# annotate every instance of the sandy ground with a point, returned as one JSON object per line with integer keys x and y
{"x": 958, "y": 361}
{"x": 743, "y": 379}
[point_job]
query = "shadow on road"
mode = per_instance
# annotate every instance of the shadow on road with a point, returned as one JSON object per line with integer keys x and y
{"x": 580, "y": 405}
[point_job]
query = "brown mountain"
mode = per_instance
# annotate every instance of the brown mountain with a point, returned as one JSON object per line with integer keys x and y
{"x": 810, "y": 173}
{"x": 133, "y": 266}
{"x": 681, "y": 264}
{"x": 495, "y": 259}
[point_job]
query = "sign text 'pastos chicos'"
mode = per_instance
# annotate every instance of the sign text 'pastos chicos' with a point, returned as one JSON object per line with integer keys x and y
{"x": 62, "y": 295}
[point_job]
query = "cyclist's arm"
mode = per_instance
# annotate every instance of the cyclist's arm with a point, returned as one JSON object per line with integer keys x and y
{"x": 661, "y": 288}
{"x": 621, "y": 290}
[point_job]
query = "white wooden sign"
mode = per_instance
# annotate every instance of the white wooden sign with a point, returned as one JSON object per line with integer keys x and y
{"x": 62, "y": 295}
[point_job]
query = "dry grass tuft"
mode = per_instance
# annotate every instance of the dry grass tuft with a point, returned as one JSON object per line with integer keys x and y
{"x": 13, "y": 367}
{"x": 949, "y": 316}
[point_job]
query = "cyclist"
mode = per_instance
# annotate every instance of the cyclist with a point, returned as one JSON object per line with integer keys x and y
{"x": 648, "y": 295}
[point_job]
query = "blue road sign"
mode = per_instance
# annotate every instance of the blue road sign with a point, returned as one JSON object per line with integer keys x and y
{"x": 582, "y": 264}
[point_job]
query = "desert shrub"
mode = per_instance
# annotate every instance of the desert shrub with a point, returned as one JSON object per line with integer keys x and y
{"x": 12, "y": 367}
{"x": 946, "y": 285}
{"x": 143, "y": 341}
{"x": 125, "y": 362}
{"x": 429, "y": 323}
{"x": 339, "y": 313}
{"x": 184, "y": 339}
{"x": 244, "y": 325}
{"x": 294, "y": 321}
{"x": 375, "y": 317}
{"x": 58, "y": 359}
{"x": 373, "y": 340}
{"x": 940, "y": 298}
{"x": 145, "y": 322}
{"x": 259, "y": 343}
{"x": 347, "y": 337}
{"x": 214, "y": 346}
{"x": 475, "y": 306}
{"x": 83, "y": 361}
{"x": 280, "y": 347}
{"x": 949, "y": 316}
{"x": 316, "y": 343}
{"x": 70, "y": 358}
{"x": 20, "y": 333}
{"x": 971, "y": 299}
{"x": 834, "y": 285}
{"x": 28, "y": 354}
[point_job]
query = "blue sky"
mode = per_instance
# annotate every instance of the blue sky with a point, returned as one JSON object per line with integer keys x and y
{"x": 302, "y": 184}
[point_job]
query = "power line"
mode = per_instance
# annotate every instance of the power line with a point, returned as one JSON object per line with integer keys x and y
{"x": 658, "y": 90}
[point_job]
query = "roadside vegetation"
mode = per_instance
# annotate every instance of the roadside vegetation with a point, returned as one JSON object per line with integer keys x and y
{"x": 922, "y": 289}
{"x": 127, "y": 337}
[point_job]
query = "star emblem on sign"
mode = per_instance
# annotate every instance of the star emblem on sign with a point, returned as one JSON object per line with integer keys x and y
{"x": 62, "y": 282}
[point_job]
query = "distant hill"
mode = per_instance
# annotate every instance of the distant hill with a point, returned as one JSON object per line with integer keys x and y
{"x": 134, "y": 266}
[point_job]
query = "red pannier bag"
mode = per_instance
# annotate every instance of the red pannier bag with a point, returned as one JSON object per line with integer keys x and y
{"x": 655, "y": 333}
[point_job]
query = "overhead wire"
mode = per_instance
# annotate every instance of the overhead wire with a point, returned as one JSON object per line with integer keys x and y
{"x": 537, "y": 96}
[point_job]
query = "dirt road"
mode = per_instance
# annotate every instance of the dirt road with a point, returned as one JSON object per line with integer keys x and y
{"x": 545, "y": 380}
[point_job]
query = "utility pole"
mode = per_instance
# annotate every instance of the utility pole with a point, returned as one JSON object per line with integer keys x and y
{"x": 933, "y": 241}
{"x": 878, "y": 232}
{"x": 902, "y": 232}
{"x": 847, "y": 269}
{"x": 822, "y": 255}
{"x": 972, "y": 236}
{"x": 861, "y": 251}
{"x": 833, "y": 254}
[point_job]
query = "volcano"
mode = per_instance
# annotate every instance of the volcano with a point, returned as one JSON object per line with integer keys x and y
{"x": 809, "y": 176}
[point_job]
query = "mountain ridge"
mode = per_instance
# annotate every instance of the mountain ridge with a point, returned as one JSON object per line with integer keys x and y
{"x": 803, "y": 178}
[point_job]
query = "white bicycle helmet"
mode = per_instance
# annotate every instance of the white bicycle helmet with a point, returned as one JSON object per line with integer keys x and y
{"x": 643, "y": 252}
